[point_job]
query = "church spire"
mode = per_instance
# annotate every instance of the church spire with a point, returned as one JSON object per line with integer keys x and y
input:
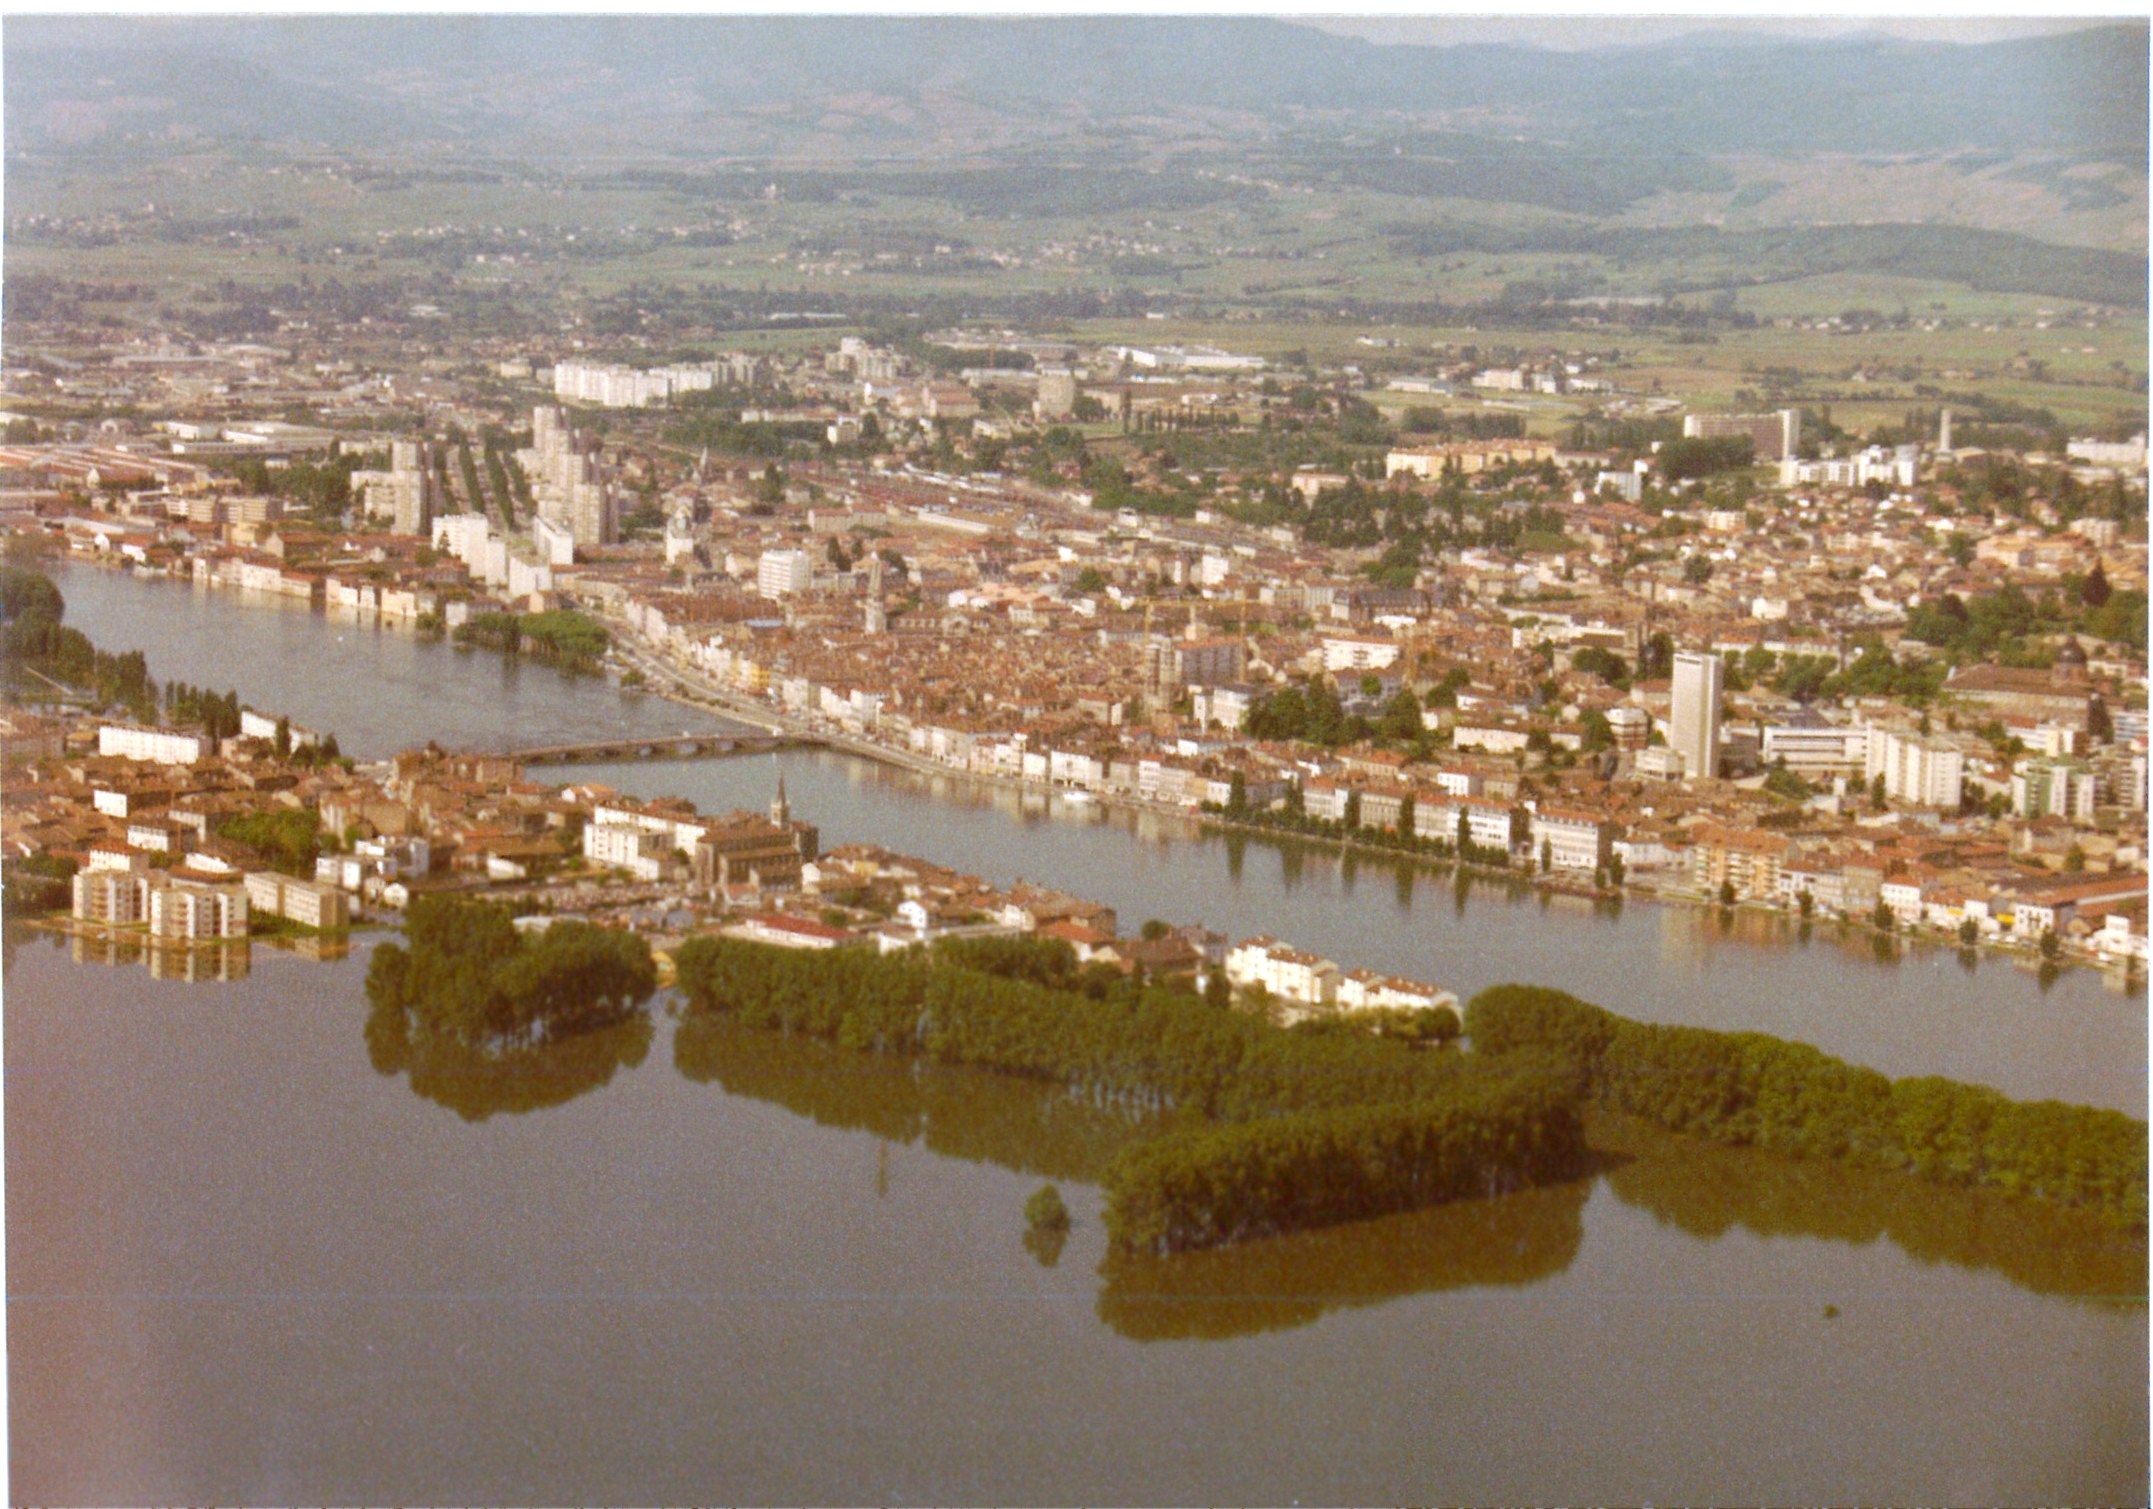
{"x": 780, "y": 811}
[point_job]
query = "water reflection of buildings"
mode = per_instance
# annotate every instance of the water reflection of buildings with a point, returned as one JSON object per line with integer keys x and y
{"x": 229, "y": 960}
{"x": 2123, "y": 979}
{"x": 1689, "y": 933}
{"x": 320, "y": 950}
{"x": 1156, "y": 831}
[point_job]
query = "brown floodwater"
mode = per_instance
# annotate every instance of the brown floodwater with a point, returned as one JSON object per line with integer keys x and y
{"x": 256, "y": 1255}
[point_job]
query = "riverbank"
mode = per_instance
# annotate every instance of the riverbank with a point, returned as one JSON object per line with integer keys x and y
{"x": 2079, "y": 1036}
{"x": 664, "y": 677}
{"x": 669, "y": 681}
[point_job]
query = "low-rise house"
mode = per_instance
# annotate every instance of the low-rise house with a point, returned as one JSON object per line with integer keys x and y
{"x": 1088, "y": 943}
{"x": 788, "y": 931}
{"x": 1288, "y": 974}
{"x": 2122, "y": 935}
{"x": 1366, "y": 990}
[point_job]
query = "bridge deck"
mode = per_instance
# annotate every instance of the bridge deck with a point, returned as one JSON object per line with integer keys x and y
{"x": 679, "y": 747}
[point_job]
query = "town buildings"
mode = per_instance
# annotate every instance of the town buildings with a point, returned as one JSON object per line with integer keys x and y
{"x": 937, "y": 588}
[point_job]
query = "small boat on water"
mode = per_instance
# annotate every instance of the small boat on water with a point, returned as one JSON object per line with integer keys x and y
{"x": 1080, "y": 798}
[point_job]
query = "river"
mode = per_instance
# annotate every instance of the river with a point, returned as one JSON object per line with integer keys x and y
{"x": 245, "y": 1263}
{"x": 2076, "y": 1036}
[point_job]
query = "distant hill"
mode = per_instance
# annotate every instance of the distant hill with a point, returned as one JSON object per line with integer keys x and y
{"x": 687, "y": 84}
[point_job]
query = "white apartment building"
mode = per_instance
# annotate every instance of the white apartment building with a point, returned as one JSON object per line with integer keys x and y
{"x": 568, "y": 483}
{"x": 1817, "y": 753}
{"x": 1057, "y": 393}
{"x": 642, "y": 843}
{"x": 109, "y": 896}
{"x": 151, "y": 744}
{"x": 1776, "y": 435}
{"x": 1365, "y": 990}
{"x": 593, "y": 518}
{"x": 1572, "y": 839}
{"x": 1487, "y": 824}
{"x": 2061, "y": 788}
{"x": 254, "y": 725}
{"x": 2122, "y": 936}
{"x": 309, "y": 903}
{"x": 1659, "y": 763}
{"x": 499, "y": 563}
{"x": 408, "y": 494}
{"x": 622, "y": 846}
{"x": 1288, "y": 974}
{"x": 464, "y": 536}
{"x": 1631, "y": 726}
{"x": 554, "y": 542}
{"x": 1452, "y": 781}
{"x": 1224, "y": 706}
{"x": 1898, "y": 467}
{"x": 2129, "y": 455}
{"x": 613, "y": 386}
{"x": 1351, "y": 652}
{"x": 189, "y": 909}
{"x": 153, "y": 835}
{"x": 1926, "y": 772}
{"x": 781, "y": 573}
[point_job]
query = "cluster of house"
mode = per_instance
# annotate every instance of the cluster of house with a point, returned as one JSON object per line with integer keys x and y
{"x": 925, "y": 902}
{"x": 1925, "y": 880}
{"x": 1005, "y": 627}
{"x": 141, "y": 819}
{"x": 1308, "y": 986}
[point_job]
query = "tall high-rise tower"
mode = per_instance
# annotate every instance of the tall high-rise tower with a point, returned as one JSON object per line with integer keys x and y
{"x": 1694, "y": 730}
{"x": 572, "y": 486}
{"x": 411, "y": 486}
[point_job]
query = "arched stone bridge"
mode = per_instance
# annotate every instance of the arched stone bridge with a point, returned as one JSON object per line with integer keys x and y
{"x": 679, "y": 747}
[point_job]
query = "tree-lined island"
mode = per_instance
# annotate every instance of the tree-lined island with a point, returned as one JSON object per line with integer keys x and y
{"x": 1249, "y": 1129}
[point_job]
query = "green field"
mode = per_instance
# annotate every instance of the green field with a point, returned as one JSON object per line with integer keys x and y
{"x": 1290, "y": 271}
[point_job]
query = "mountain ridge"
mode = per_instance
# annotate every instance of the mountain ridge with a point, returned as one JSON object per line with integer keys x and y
{"x": 466, "y": 80}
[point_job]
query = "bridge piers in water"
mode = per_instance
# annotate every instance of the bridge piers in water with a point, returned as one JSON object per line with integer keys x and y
{"x": 684, "y": 747}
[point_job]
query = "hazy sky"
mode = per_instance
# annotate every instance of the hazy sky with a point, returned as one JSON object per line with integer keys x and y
{"x": 1611, "y": 30}
{"x": 1542, "y": 23}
